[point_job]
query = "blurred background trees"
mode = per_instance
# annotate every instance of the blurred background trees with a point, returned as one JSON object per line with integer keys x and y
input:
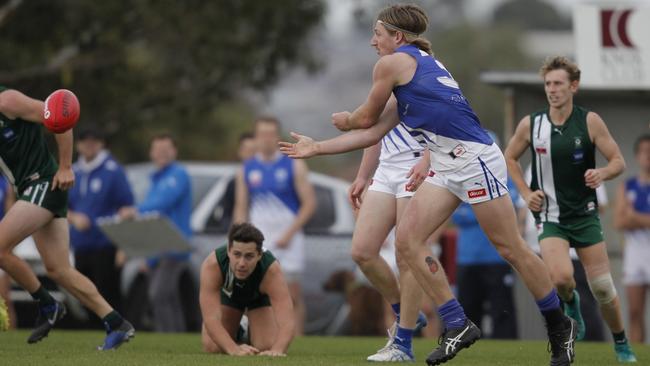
{"x": 141, "y": 66}
{"x": 203, "y": 69}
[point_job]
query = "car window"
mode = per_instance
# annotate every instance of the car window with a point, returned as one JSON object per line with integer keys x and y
{"x": 221, "y": 217}
{"x": 201, "y": 184}
{"x": 324, "y": 216}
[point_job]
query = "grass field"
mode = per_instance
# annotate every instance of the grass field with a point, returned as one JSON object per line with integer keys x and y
{"x": 78, "y": 348}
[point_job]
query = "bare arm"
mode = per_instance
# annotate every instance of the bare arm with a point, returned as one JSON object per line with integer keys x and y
{"x": 369, "y": 163}
{"x": 307, "y": 198}
{"x": 603, "y": 140}
{"x": 64, "y": 177}
{"x": 384, "y": 79}
{"x": 306, "y": 147}
{"x": 210, "y": 301}
{"x": 240, "y": 212}
{"x": 519, "y": 142}
{"x": 15, "y": 104}
{"x": 275, "y": 286}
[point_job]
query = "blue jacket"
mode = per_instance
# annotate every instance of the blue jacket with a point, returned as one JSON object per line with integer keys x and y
{"x": 101, "y": 189}
{"x": 473, "y": 247}
{"x": 170, "y": 195}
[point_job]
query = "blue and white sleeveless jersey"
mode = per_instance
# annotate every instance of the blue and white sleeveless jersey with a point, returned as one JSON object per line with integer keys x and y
{"x": 638, "y": 195}
{"x": 272, "y": 194}
{"x": 398, "y": 146}
{"x": 434, "y": 111}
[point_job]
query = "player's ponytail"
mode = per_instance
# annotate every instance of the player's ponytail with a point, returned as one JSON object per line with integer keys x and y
{"x": 411, "y": 20}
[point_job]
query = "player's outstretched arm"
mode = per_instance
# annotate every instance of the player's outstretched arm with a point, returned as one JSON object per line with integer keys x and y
{"x": 210, "y": 301}
{"x": 275, "y": 286}
{"x": 608, "y": 147}
{"x": 15, "y": 104}
{"x": 305, "y": 147}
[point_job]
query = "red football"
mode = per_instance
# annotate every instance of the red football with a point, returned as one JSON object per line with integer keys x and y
{"x": 61, "y": 111}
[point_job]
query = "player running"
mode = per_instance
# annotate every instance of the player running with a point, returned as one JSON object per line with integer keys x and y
{"x": 562, "y": 139}
{"x": 468, "y": 167}
{"x": 400, "y": 165}
{"x": 241, "y": 277}
{"x": 40, "y": 211}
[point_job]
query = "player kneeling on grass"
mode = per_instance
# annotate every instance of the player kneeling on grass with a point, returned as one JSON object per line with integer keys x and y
{"x": 239, "y": 278}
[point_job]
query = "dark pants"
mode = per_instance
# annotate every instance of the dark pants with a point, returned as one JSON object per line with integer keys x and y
{"x": 99, "y": 266}
{"x": 588, "y": 305}
{"x": 174, "y": 297}
{"x": 487, "y": 289}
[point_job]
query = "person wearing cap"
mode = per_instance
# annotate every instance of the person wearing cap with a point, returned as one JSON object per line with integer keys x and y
{"x": 101, "y": 190}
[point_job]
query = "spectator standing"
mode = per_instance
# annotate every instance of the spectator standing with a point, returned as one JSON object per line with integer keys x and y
{"x": 101, "y": 190}
{"x": 170, "y": 195}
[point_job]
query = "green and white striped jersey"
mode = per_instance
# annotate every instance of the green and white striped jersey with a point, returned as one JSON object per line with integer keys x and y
{"x": 560, "y": 156}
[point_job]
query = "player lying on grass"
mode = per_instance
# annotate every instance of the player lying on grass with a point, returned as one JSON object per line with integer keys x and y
{"x": 241, "y": 277}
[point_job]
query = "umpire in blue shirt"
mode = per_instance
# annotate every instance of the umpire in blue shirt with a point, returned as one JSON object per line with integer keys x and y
{"x": 101, "y": 189}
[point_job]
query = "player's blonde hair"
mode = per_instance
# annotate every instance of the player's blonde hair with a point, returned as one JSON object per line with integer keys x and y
{"x": 411, "y": 20}
{"x": 560, "y": 63}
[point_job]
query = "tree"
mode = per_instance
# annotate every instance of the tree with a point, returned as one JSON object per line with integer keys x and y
{"x": 531, "y": 14}
{"x": 142, "y": 65}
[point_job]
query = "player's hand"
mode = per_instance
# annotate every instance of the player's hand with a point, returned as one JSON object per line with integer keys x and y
{"x": 418, "y": 173}
{"x": 305, "y": 147}
{"x": 284, "y": 241}
{"x": 127, "y": 212}
{"x": 593, "y": 178}
{"x": 245, "y": 350}
{"x": 535, "y": 200}
{"x": 341, "y": 120}
{"x": 273, "y": 353}
{"x": 79, "y": 221}
{"x": 63, "y": 179}
{"x": 355, "y": 192}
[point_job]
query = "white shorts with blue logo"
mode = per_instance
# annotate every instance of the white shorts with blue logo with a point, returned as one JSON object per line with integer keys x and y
{"x": 483, "y": 179}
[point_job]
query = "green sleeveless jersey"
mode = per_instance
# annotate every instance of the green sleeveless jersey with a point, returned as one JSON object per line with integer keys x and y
{"x": 24, "y": 156}
{"x": 560, "y": 157}
{"x": 242, "y": 291}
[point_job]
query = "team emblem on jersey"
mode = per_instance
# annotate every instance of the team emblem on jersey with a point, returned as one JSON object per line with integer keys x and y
{"x": 8, "y": 133}
{"x": 591, "y": 206}
{"x": 2, "y": 123}
{"x": 28, "y": 191}
{"x": 255, "y": 177}
{"x": 281, "y": 175}
{"x": 540, "y": 150}
{"x": 95, "y": 185}
{"x": 578, "y": 142}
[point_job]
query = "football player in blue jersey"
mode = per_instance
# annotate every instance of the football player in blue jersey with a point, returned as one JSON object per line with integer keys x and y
{"x": 412, "y": 85}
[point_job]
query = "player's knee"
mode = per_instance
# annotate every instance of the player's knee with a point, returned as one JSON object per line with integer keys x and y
{"x": 57, "y": 274}
{"x": 506, "y": 253}
{"x": 603, "y": 288}
{"x": 4, "y": 257}
{"x": 361, "y": 256}
{"x": 562, "y": 279}
{"x": 210, "y": 347}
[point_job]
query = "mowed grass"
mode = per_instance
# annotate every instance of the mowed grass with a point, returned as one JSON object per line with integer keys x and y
{"x": 79, "y": 348}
